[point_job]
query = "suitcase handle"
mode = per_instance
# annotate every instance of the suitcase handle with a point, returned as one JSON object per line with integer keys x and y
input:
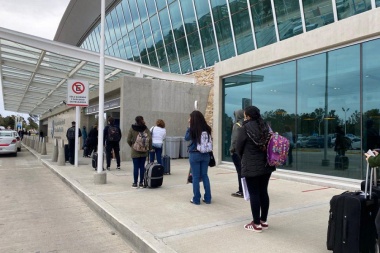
{"x": 368, "y": 181}
{"x": 344, "y": 237}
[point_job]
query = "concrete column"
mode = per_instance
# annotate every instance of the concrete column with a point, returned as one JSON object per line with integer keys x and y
{"x": 43, "y": 147}
{"x": 55, "y": 151}
{"x": 61, "y": 153}
{"x": 100, "y": 178}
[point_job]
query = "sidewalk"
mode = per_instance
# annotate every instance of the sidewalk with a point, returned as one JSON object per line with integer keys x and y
{"x": 164, "y": 220}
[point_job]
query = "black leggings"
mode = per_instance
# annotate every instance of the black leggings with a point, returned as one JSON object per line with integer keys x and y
{"x": 259, "y": 198}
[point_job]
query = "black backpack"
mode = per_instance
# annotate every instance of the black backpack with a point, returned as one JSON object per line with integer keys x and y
{"x": 113, "y": 133}
{"x": 71, "y": 133}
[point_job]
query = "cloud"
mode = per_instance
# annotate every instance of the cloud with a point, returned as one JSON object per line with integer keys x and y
{"x": 39, "y": 17}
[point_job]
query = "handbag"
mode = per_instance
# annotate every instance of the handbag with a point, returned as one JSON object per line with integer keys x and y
{"x": 212, "y": 162}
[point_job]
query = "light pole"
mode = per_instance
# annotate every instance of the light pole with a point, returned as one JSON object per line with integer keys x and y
{"x": 345, "y": 123}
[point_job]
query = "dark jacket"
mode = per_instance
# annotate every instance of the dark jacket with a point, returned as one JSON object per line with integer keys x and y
{"x": 239, "y": 116}
{"x": 79, "y": 132}
{"x": 105, "y": 134}
{"x": 132, "y": 135}
{"x": 253, "y": 156}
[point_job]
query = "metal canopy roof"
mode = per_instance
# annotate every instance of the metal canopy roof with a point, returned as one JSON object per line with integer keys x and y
{"x": 34, "y": 71}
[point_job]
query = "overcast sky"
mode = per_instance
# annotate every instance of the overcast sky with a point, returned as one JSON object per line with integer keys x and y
{"x": 36, "y": 17}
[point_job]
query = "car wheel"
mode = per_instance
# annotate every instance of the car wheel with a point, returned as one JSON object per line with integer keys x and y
{"x": 18, "y": 149}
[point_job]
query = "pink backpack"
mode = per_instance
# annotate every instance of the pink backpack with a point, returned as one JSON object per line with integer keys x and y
{"x": 277, "y": 149}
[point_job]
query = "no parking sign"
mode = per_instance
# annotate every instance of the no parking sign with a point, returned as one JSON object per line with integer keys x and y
{"x": 77, "y": 93}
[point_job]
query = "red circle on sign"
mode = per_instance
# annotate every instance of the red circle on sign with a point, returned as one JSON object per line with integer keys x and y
{"x": 78, "y": 87}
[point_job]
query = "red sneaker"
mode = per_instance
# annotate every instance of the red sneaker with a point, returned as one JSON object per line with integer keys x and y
{"x": 253, "y": 227}
{"x": 264, "y": 225}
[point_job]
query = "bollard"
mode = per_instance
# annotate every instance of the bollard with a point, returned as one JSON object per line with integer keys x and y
{"x": 100, "y": 178}
{"x": 40, "y": 144}
{"x": 61, "y": 153}
{"x": 55, "y": 151}
{"x": 43, "y": 147}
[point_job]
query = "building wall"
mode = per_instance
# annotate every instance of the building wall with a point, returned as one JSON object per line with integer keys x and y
{"x": 158, "y": 99}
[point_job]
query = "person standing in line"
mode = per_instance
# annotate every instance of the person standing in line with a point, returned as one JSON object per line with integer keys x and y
{"x": 158, "y": 135}
{"x": 139, "y": 157}
{"x": 198, "y": 161}
{"x": 289, "y": 135}
{"x": 111, "y": 139}
{"x": 239, "y": 118}
{"x": 339, "y": 141}
{"x": 70, "y": 135}
{"x": 84, "y": 136}
{"x": 251, "y": 142}
{"x": 92, "y": 140}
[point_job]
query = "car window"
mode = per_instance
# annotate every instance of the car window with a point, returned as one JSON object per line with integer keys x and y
{"x": 6, "y": 134}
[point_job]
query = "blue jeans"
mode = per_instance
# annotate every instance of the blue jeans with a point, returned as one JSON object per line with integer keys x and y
{"x": 138, "y": 168}
{"x": 199, "y": 167}
{"x": 158, "y": 153}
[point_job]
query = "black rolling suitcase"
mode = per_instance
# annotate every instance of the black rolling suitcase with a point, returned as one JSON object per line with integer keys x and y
{"x": 351, "y": 227}
{"x": 67, "y": 158}
{"x": 94, "y": 160}
{"x": 341, "y": 162}
{"x": 154, "y": 175}
{"x": 166, "y": 164}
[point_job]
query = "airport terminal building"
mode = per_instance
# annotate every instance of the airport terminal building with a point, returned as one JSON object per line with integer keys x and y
{"x": 310, "y": 65}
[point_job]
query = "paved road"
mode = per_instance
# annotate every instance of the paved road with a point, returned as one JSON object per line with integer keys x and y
{"x": 39, "y": 213}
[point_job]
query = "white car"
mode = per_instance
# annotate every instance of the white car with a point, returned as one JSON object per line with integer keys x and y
{"x": 356, "y": 143}
{"x": 10, "y": 142}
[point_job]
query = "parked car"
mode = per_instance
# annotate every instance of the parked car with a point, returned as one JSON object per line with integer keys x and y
{"x": 10, "y": 142}
{"x": 318, "y": 142}
{"x": 301, "y": 142}
{"x": 356, "y": 143}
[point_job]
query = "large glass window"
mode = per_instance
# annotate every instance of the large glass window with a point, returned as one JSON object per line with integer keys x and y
{"x": 192, "y": 34}
{"x": 315, "y": 97}
{"x": 288, "y": 18}
{"x": 206, "y": 32}
{"x": 223, "y": 28}
{"x": 134, "y": 13}
{"x": 151, "y": 6}
{"x": 127, "y": 15}
{"x": 262, "y": 17}
{"x": 142, "y": 10}
{"x": 371, "y": 94}
{"x": 317, "y": 14}
{"x": 242, "y": 26}
{"x": 347, "y": 8}
{"x": 165, "y": 25}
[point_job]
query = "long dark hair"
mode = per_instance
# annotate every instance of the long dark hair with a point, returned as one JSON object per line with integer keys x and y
{"x": 254, "y": 113}
{"x": 198, "y": 124}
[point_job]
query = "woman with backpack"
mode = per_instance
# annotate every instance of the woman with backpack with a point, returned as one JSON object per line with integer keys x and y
{"x": 199, "y": 157}
{"x": 251, "y": 142}
{"x": 140, "y": 141}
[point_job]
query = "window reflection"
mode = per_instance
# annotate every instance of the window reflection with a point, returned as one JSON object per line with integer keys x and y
{"x": 346, "y": 8}
{"x": 262, "y": 17}
{"x": 288, "y": 18}
{"x": 317, "y": 13}
{"x": 327, "y": 90}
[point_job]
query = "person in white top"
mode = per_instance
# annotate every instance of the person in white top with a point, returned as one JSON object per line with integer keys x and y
{"x": 158, "y": 136}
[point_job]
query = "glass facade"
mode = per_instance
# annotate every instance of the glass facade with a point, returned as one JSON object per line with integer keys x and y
{"x": 182, "y": 36}
{"x": 314, "y": 96}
